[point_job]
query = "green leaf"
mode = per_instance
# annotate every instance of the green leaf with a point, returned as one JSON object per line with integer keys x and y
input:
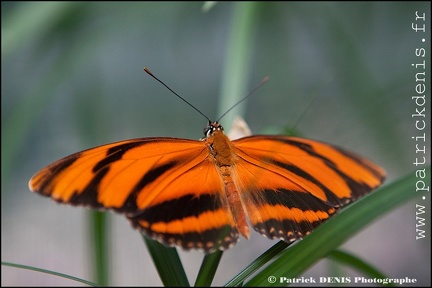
{"x": 301, "y": 256}
{"x": 49, "y": 272}
{"x": 99, "y": 238}
{"x": 168, "y": 264}
{"x": 257, "y": 264}
{"x": 208, "y": 269}
{"x": 237, "y": 60}
{"x": 350, "y": 260}
{"x": 208, "y": 5}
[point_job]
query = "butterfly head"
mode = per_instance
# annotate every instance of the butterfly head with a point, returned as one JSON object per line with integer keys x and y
{"x": 211, "y": 128}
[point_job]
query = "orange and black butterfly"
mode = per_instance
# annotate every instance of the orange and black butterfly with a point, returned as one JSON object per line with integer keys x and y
{"x": 204, "y": 193}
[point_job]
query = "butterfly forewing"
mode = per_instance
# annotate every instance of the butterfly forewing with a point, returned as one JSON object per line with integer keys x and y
{"x": 168, "y": 188}
{"x": 290, "y": 185}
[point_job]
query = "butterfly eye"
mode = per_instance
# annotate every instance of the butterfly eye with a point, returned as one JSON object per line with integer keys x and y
{"x": 208, "y": 129}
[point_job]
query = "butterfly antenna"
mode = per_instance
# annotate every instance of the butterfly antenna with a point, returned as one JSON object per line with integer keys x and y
{"x": 262, "y": 82}
{"x": 304, "y": 112}
{"x": 160, "y": 81}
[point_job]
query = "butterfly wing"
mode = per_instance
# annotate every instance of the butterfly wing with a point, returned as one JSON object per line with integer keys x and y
{"x": 290, "y": 185}
{"x": 168, "y": 187}
{"x": 173, "y": 190}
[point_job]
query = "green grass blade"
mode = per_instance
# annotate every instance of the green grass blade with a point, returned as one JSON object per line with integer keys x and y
{"x": 237, "y": 60}
{"x": 208, "y": 269}
{"x": 349, "y": 221}
{"x": 257, "y": 264}
{"x": 99, "y": 240}
{"x": 168, "y": 264}
{"x": 348, "y": 259}
{"x": 208, "y": 5}
{"x": 33, "y": 20}
{"x": 49, "y": 272}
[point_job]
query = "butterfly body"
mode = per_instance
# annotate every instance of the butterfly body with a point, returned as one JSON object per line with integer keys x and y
{"x": 204, "y": 193}
{"x": 224, "y": 157}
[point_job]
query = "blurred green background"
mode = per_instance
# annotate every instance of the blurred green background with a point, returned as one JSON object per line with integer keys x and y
{"x": 72, "y": 79}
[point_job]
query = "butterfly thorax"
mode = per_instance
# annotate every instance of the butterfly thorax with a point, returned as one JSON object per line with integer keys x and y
{"x": 220, "y": 146}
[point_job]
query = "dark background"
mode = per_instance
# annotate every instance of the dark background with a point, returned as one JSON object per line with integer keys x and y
{"x": 72, "y": 78}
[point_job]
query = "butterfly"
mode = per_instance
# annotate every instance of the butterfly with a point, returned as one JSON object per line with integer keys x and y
{"x": 203, "y": 194}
